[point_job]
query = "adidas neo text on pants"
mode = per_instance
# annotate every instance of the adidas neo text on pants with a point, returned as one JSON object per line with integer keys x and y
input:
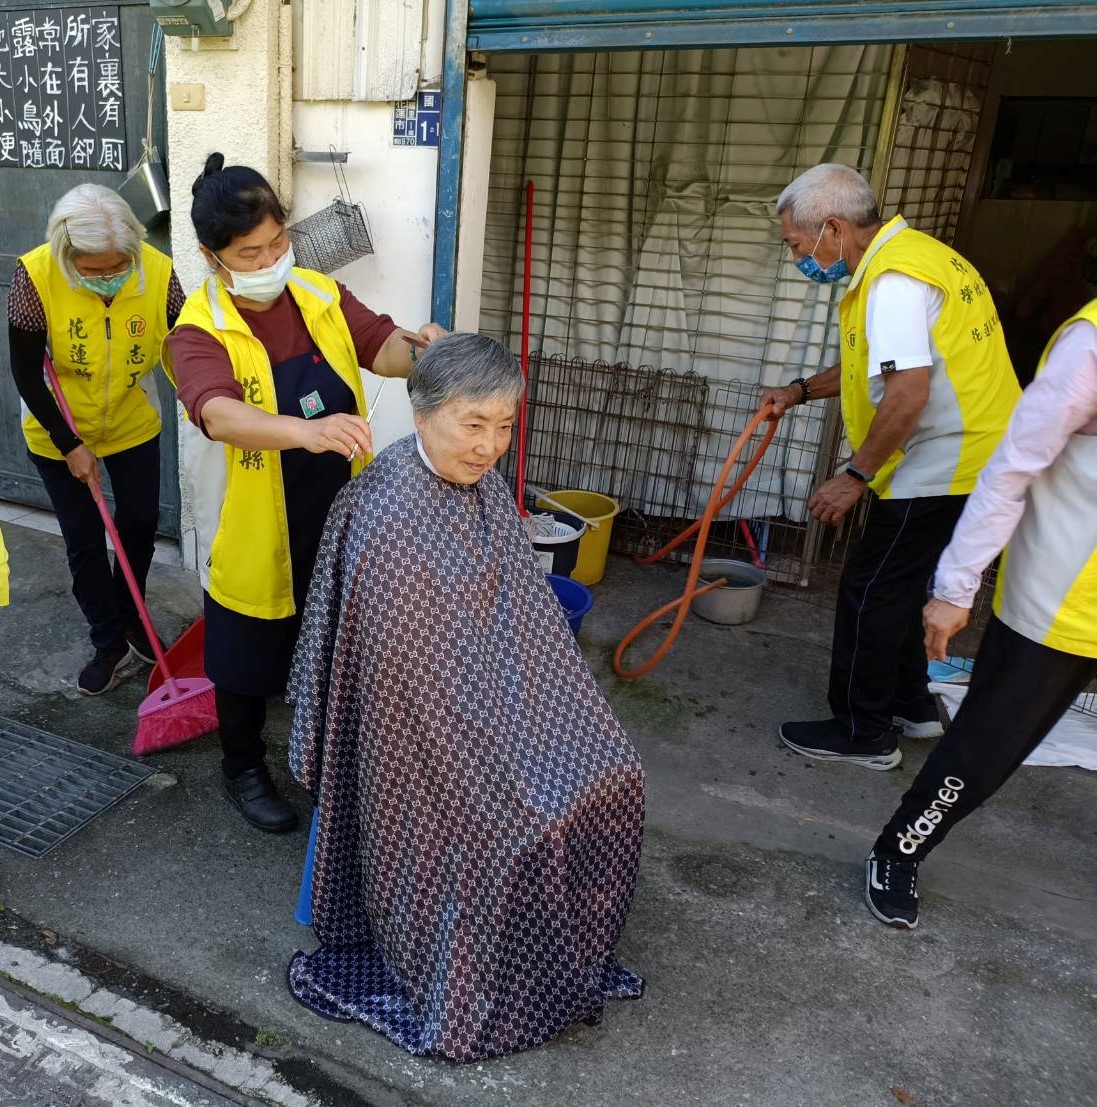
{"x": 1019, "y": 690}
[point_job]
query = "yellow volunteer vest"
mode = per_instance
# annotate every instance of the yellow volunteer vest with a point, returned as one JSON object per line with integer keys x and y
{"x": 3, "y": 572}
{"x": 242, "y": 498}
{"x": 976, "y": 388}
{"x": 1047, "y": 580}
{"x": 102, "y": 353}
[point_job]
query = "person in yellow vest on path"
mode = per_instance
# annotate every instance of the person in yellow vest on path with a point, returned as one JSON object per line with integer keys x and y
{"x": 266, "y": 360}
{"x": 1038, "y": 494}
{"x": 926, "y": 389}
{"x": 100, "y": 300}
{"x": 4, "y": 587}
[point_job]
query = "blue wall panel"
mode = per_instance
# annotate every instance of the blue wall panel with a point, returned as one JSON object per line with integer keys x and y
{"x": 451, "y": 149}
{"x": 525, "y": 25}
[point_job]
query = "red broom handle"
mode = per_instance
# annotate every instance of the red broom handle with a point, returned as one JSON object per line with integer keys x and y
{"x": 112, "y": 530}
{"x": 520, "y": 481}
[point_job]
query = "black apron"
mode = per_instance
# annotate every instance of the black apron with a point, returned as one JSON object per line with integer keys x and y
{"x": 251, "y": 656}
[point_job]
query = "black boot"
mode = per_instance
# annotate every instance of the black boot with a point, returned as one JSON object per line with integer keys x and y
{"x": 254, "y": 794}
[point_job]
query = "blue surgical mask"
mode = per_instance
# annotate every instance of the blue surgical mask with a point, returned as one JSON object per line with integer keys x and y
{"x": 815, "y": 272}
{"x": 107, "y": 287}
{"x": 262, "y": 285}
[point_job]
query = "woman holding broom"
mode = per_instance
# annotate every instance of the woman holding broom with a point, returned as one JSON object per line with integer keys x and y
{"x": 266, "y": 360}
{"x": 100, "y": 299}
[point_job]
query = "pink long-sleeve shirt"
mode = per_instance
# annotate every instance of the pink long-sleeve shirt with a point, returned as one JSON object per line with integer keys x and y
{"x": 1060, "y": 402}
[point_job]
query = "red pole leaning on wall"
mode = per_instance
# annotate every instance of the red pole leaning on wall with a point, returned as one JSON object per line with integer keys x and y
{"x": 520, "y": 481}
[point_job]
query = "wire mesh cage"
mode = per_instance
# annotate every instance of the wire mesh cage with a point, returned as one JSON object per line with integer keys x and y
{"x": 334, "y": 236}
{"x": 655, "y": 440}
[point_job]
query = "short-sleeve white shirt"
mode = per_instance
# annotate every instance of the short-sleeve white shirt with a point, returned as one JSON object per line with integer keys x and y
{"x": 900, "y": 315}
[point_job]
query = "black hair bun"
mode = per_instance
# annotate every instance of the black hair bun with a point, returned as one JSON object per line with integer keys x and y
{"x": 214, "y": 164}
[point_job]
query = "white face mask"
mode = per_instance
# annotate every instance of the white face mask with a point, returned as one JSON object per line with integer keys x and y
{"x": 261, "y": 285}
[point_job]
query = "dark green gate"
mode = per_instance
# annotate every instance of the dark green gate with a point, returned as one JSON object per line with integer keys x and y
{"x": 73, "y": 103}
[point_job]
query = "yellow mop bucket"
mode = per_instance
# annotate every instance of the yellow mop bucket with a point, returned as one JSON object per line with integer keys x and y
{"x": 594, "y": 545}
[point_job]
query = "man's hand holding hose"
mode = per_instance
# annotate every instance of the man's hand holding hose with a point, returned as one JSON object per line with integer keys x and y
{"x": 819, "y": 387}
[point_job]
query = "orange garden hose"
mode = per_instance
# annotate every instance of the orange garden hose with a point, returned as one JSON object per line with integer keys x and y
{"x": 717, "y": 500}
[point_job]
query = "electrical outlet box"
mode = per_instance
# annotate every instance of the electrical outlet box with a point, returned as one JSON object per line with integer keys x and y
{"x": 192, "y": 18}
{"x": 187, "y": 97}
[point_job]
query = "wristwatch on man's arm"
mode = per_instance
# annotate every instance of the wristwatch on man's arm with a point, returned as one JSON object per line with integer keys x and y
{"x": 857, "y": 474}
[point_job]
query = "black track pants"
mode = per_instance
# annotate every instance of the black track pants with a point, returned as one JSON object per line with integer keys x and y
{"x": 878, "y": 660}
{"x": 101, "y": 591}
{"x": 1019, "y": 691}
{"x": 241, "y": 726}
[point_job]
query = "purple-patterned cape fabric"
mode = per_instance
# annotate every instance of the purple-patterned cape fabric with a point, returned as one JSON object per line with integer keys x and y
{"x": 481, "y": 808}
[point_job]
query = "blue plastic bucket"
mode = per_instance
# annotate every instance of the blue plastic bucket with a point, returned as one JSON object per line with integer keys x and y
{"x": 575, "y": 598}
{"x": 303, "y": 914}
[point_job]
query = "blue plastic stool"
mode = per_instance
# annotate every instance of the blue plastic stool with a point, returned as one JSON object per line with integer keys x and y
{"x": 303, "y": 914}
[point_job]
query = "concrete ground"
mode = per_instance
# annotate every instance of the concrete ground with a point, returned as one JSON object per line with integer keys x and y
{"x": 45, "y": 1057}
{"x": 768, "y": 982}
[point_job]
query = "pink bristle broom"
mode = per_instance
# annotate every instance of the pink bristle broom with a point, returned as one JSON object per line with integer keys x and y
{"x": 178, "y": 710}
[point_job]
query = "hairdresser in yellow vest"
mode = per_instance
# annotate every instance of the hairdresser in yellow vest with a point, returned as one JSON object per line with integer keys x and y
{"x": 1038, "y": 493}
{"x": 100, "y": 300}
{"x": 926, "y": 389}
{"x": 266, "y": 360}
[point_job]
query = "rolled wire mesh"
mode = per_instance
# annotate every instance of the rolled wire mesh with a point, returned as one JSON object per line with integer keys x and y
{"x": 633, "y": 434}
{"x": 944, "y": 91}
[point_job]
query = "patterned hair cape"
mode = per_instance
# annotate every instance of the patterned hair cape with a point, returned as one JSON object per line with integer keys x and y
{"x": 480, "y": 806}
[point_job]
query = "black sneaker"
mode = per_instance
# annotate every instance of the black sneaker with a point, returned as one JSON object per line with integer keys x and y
{"x": 918, "y": 718}
{"x": 139, "y": 642}
{"x": 254, "y": 793}
{"x": 102, "y": 672}
{"x": 828, "y": 740}
{"x": 891, "y": 890}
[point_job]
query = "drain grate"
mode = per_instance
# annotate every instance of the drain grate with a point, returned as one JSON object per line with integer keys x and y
{"x": 50, "y": 787}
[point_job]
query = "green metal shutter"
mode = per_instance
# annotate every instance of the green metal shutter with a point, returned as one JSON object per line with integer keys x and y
{"x": 533, "y": 25}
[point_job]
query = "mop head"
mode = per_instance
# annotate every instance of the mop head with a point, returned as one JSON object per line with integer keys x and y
{"x": 539, "y": 526}
{"x": 165, "y": 720}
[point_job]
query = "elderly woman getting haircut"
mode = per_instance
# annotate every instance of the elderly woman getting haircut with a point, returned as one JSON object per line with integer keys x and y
{"x": 480, "y": 807}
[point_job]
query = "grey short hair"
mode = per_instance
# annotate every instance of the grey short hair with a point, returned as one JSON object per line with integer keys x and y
{"x": 462, "y": 366}
{"x": 825, "y": 191}
{"x": 91, "y": 219}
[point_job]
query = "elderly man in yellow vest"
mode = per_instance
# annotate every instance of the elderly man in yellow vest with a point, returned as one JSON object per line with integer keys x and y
{"x": 927, "y": 389}
{"x": 1040, "y": 649}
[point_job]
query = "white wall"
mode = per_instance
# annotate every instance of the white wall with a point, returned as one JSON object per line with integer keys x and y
{"x": 396, "y": 185}
{"x": 475, "y": 191}
{"x": 243, "y": 117}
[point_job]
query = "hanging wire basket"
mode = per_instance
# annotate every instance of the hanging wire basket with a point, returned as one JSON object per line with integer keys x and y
{"x": 334, "y": 236}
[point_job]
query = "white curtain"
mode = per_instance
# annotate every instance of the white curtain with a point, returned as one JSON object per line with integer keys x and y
{"x": 656, "y": 241}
